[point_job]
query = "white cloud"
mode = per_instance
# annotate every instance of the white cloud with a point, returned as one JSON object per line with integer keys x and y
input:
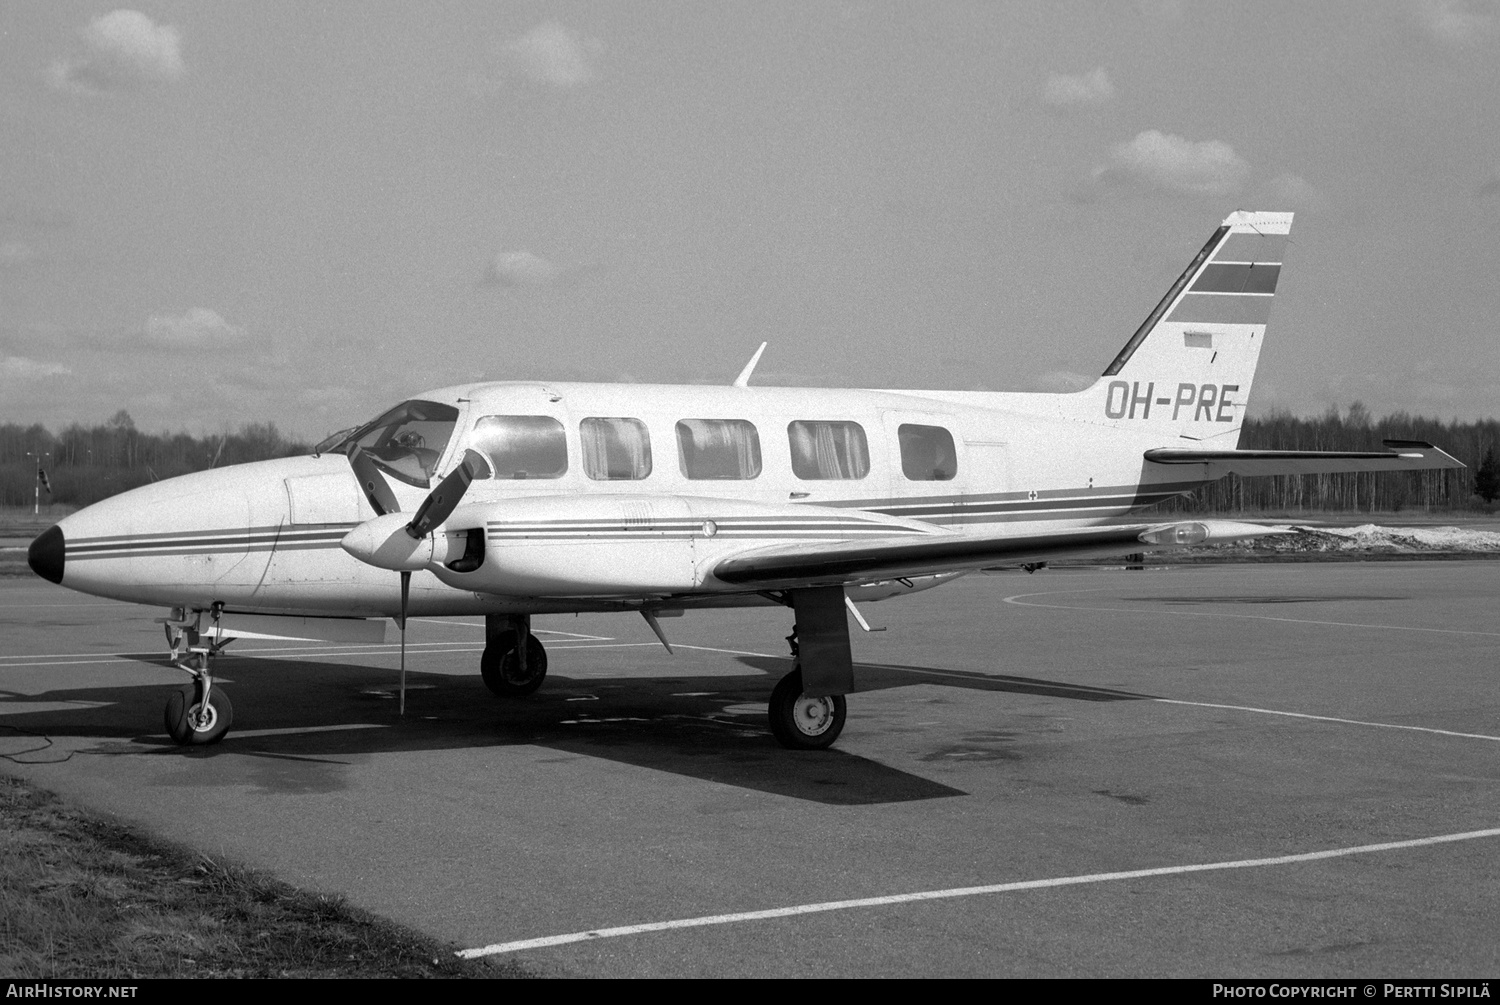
{"x": 522, "y": 268}
{"x": 198, "y": 327}
{"x": 123, "y": 49}
{"x": 1170, "y": 163}
{"x": 14, "y": 254}
{"x": 1088, "y": 90}
{"x": 1458, "y": 22}
{"x": 22, "y": 368}
{"x": 1491, "y": 185}
{"x": 1063, "y": 380}
{"x": 553, "y": 54}
{"x": 1289, "y": 191}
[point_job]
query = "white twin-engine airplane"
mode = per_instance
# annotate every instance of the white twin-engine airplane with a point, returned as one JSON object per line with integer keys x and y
{"x": 559, "y": 497}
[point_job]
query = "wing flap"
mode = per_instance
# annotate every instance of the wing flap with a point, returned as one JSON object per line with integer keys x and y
{"x": 1399, "y": 455}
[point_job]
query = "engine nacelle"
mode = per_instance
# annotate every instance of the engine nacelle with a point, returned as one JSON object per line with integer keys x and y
{"x": 619, "y": 545}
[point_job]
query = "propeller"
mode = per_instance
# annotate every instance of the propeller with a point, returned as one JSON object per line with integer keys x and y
{"x": 391, "y": 540}
{"x": 443, "y": 500}
{"x": 405, "y": 593}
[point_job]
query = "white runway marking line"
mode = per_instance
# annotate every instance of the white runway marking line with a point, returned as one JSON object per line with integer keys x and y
{"x": 336, "y": 649}
{"x": 109, "y": 603}
{"x": 250, "y": 734}
{"x": 1019, "y": 601}
{"x": 1330, "y": 718}
{"x": 1209, "y": 704}
{"x": 966, "y": 891}
{"x": 534, "y": 631}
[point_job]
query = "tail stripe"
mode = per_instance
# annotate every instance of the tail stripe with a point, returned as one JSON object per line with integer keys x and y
{"x": 1224, "y": 278}
{"x": 1260, "y": 248}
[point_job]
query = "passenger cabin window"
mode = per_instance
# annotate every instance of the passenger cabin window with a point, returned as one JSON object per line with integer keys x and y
{"x": 522, "y": 446}
{"x": 407, "y": 441}
{"x": 615, "y": 449}
{"x": 724, "y": 449}
{"x": 927, "y": 453}
{"x": 828, "y": 450}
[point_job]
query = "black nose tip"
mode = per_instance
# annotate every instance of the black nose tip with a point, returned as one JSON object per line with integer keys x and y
{"x": 46, "y": 554}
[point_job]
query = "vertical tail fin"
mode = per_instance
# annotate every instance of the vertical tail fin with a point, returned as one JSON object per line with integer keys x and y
{"x": 1186, "y": 372}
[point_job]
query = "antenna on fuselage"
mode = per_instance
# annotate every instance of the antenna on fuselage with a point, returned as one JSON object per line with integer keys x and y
{"x": 743, "y": 380}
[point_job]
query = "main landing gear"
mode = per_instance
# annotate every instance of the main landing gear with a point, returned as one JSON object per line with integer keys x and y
{"x": 807, "y": 708}
{"x": 198, "y": 713}
{"x": 801, "y": 721}
{"x": 511, "y": 670}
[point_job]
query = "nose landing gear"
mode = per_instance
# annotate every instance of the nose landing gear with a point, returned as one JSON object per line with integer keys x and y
{"x": 197, "y": 714}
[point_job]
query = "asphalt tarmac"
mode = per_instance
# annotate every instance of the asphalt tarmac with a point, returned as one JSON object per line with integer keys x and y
{"x": 1018, "y": 744}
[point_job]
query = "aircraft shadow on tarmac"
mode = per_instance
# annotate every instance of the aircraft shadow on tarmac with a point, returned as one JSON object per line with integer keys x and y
{"x": 710, "y": 727}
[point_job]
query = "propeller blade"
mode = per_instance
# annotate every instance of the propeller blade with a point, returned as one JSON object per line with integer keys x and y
{"x": 405, "y": 593}
{"x": 444, "y": 499}
{"x": 373, "y": 484}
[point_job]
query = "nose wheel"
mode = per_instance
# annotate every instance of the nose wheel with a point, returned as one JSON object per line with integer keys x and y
{"x": 199, "y": 713}
{"x": 193, "y": 721}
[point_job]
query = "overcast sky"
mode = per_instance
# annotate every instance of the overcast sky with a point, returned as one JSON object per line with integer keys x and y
{"x": 230, "y": 212}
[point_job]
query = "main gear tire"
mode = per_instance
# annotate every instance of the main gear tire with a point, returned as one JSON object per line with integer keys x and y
{"x": 801, "y": 722}
{"x": 500, "y": 666}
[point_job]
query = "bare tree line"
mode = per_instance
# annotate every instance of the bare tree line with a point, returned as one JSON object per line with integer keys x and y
{"x": 1353, "y": 429}
{"x": 84, "y": 464}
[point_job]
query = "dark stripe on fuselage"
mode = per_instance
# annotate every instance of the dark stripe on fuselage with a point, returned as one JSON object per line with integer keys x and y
{"x": 994, "y": 507}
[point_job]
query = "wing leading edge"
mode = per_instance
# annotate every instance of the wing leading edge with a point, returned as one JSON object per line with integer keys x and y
{"x": 847, "y": 563}
{"x": 1399, "y": 455}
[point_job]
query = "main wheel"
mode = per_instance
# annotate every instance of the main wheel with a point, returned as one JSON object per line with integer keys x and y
{"x": 802, "y": 722}
{"x": 190, "y": 724}
{"x": 501, "y": 670}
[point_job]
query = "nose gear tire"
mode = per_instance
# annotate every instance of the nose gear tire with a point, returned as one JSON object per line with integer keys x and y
{"x": 189, "y": 724}
{"x": 801, "y": 722}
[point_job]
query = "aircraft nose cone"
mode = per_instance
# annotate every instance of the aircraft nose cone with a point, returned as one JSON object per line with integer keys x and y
{"x": 46, "y": 554}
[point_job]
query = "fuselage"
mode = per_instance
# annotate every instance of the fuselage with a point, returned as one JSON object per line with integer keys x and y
{"x": 601, "y": 494}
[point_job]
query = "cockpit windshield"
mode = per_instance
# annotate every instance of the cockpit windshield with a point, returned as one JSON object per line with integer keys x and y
{"x": 407, "y": 441}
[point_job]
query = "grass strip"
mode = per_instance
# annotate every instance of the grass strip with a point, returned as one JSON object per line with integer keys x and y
{"x": 85, "y": 896}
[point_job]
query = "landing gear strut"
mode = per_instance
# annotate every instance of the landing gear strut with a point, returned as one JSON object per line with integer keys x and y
{"x": 198, "y": 713}
{"x": 510, "y": 670}
{"x": 798, "y": 720}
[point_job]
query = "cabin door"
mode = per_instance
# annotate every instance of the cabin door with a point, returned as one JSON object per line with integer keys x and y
{"x": 928, "y": 461}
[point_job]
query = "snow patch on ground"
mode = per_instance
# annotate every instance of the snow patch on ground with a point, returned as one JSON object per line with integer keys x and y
{"x": 1375, "y": 538}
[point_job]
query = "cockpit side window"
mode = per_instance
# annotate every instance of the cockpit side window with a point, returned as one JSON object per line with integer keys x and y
{"x": 522, "y": 446}
{"x": 407, "y": 441}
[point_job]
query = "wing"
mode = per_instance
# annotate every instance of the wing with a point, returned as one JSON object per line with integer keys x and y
{"x": 847, "y": 563}
{"x": 1399, "y": 455}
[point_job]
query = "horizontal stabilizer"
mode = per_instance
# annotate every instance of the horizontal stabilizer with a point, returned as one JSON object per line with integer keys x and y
{"x": 852, "y": 562}
{"x": 1399, "y": 455}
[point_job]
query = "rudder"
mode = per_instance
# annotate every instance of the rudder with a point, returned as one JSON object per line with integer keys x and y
{"x": 1187, "y": 370}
